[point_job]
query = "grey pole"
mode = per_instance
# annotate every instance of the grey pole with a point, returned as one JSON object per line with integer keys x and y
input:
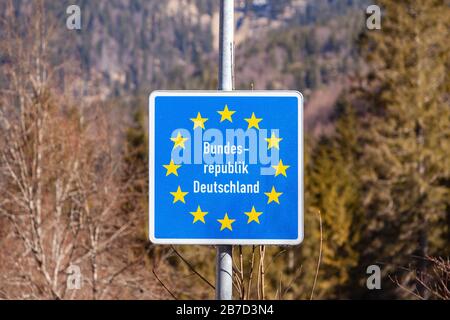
{"x": 224, "y": 264}
{"x": 226, "y": 45}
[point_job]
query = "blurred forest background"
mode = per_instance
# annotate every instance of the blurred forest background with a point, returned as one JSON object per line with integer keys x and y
{"x": 74, "y": 155}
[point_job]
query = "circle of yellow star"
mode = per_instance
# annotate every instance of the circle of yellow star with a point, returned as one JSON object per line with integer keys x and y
{"x": 199, "y": 122}
{"x": 273, "y": 141}
{"x": 199, "y": 215}
{"x": 226, "y": 114}
{"x": 273, "y": 196}
{"x": 172, "y": 168}
{"x": 179, "y": 141}
{"x": 179, "y": 195}
{"x": 253, "y": 215}
{"x": 280, "y": 168}
{"x": 226, "y": 223}
{"x": 253, "y": 122}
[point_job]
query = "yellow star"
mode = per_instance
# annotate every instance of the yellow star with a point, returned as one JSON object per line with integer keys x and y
{"x": 253, "y": 122}
{"x": 253, "y": 215}
{"x": 179, "y": 195}
{"x": 226, "y": 223}
{"x": 199, "y": 122}
{"x": 273, "y": 142}
{"x": 179, "y": 141}
{"x": 226, "y": 114}
{"x": 199, "y": 215}
{"x": 172, "y": 168}
{"x": 273, "y": 196}
{"x": 280, "y": 169}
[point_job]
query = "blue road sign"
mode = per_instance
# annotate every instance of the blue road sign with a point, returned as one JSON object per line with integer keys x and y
{"x": 226, "y": 167}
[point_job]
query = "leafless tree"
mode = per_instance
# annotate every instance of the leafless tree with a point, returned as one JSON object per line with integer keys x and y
{"x": 61, "y": 190}
{"x": 432, "y": 284}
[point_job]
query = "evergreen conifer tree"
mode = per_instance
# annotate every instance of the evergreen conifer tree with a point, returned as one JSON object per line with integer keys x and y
{"x": 406, "y": 139}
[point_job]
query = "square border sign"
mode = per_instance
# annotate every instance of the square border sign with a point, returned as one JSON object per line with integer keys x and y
{"x": 196, "y": 198}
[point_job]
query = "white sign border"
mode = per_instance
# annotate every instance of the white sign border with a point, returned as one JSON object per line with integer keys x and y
{"x": 151, "y": 177}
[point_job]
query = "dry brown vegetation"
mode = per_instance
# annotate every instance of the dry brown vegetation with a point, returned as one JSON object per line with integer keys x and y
{"x": 61, "y": 181}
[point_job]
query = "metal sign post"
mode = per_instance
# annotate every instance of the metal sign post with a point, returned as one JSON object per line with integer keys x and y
{"x": 224, "y": 264}
{"x": 226, "y": 167}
